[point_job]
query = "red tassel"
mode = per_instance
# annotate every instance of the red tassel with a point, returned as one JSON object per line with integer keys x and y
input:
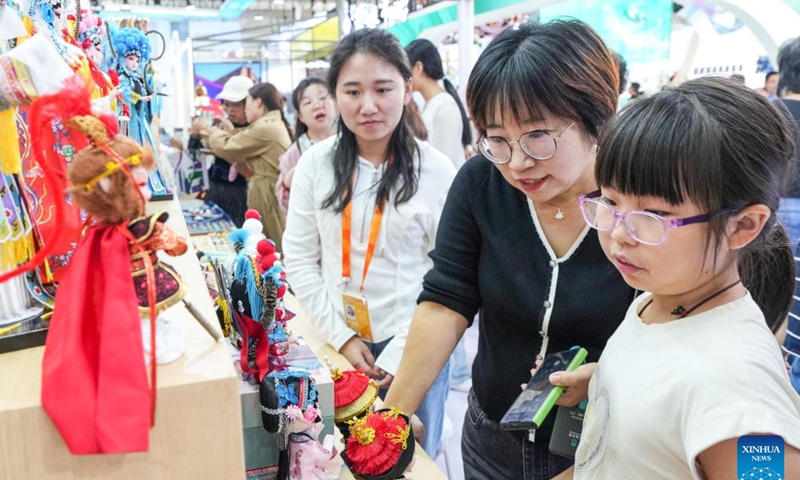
{"x": 376, "y": 443}
{"x": 349, "y": 387}
{"x": 114, "y": 77}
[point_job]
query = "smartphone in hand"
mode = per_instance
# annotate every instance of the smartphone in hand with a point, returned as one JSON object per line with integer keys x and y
{"x": 532, "y": 406}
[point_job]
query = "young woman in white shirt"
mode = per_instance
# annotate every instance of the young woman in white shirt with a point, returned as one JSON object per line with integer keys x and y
{"x": 444, "y": 114}
{"x": 363, "y": 215}
{"x": 690, "y": 181}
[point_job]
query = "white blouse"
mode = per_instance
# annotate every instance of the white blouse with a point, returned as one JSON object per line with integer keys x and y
{"x": 442, "y": 119}
{"x": 313, "y": 246}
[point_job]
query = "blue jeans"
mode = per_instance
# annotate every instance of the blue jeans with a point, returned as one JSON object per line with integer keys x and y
{"x": 491, "y": 453}
{"x": 789, "y": 216}
{"x": 431, "y": 410}
{"x": 459, "y": 370}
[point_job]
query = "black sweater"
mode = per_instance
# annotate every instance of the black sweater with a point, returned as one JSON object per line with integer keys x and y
{"x": 489, "y": 256}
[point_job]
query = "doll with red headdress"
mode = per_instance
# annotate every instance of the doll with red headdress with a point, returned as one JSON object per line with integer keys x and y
{"x": 380, "y": 445}
{"x": 94, "y": 381}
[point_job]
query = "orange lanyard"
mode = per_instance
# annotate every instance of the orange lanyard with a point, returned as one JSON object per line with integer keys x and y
{"x": 374, "y": 229}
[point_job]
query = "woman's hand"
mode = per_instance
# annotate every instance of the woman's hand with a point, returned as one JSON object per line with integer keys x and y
{"x": 418, "y": 428}
{"x": 357, "y": 353}
{"x": 384, "y": 379}
{"x": 198, "y": 124}
{"x": 226, "y": 125}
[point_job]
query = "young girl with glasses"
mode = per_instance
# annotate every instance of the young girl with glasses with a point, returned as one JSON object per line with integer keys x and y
{"x": 512, "y": 243}
{"x": 363, "y": 215}
{"x": 690, "y": 180}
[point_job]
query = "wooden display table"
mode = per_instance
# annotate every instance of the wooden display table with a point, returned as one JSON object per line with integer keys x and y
{"x": 198, "y": 431}
{"x": 424, "y": 467}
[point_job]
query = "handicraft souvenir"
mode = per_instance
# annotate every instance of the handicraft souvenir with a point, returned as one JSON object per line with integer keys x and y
{"x": 289, "y": 409}
{"x": 353, "y": 395}
{"x": 132, "y": 50}
{"x": 380, "y": 445}
{"x": 257, "y": 308}
{"x": 95, "y": 386}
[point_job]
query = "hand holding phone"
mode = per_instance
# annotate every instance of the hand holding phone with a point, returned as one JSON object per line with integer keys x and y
{"x": 532, "y": 406}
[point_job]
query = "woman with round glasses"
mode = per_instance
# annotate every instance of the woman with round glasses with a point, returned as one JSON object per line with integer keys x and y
{"x": 512, "y": 243}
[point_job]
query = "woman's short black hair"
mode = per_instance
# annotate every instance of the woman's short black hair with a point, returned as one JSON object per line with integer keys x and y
{"x": 561, "y": 67}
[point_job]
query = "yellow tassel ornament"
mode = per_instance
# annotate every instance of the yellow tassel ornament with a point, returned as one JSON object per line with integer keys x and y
{"x": 10, "y": 161}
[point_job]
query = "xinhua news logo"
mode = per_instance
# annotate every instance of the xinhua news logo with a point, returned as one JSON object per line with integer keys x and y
{"x": 760, "y": 457}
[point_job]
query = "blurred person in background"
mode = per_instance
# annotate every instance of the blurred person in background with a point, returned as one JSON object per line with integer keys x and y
{"x": 226, "y": 187}
{"x": 444, "y": 115}
{"x": 789, "y": 211}
{"x": 770, "y": 88}
{"x": 254, "y": 152}
{"x": 316, "y": 114}
{"x": 636, "y": 93}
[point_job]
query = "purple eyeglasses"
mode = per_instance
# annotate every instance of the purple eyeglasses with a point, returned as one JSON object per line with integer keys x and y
{"x": 644, "y": 227}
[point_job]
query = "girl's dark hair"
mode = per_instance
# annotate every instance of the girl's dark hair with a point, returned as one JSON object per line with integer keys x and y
{"x": 424, "y": 51}
{"x": 272, "y": 100}
{"x": 720, "y": 145}
{"x": 561, "y": 67}
{"x": 400, "y": 173}
{"x": 299, "y": 127}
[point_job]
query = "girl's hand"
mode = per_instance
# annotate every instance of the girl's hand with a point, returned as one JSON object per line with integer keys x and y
{"x": 575, "y": 383}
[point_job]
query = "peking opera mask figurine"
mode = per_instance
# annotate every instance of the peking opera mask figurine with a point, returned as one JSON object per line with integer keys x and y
{"x": 94, "y": 381}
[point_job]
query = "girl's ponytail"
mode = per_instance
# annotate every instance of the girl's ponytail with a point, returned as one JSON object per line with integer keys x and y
{"x": 466, "y": 133}
{"x": 767, "y": 269}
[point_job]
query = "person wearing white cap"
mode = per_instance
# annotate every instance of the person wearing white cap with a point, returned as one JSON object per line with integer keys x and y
{"x": 254, "y": 152}
{"x": 227, "y": 187}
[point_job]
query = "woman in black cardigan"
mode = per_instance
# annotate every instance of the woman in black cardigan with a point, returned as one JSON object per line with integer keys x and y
{"x": 512, "y": 243}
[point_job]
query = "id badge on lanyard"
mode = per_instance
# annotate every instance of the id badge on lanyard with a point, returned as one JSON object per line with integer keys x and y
{"x": 356, "y": 308}
{"x": 356, "y": 314}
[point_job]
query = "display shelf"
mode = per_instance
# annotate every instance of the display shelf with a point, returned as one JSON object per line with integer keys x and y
{"x": 198, "y": 430}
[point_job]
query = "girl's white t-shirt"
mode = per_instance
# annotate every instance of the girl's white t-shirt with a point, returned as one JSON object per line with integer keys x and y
{"x": 664, "y": 393}
{"x": 312, "y": 245}
{"x": 442, "y": 119}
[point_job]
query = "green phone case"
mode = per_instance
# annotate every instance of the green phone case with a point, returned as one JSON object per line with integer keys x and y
{"x": 556, "y": 392}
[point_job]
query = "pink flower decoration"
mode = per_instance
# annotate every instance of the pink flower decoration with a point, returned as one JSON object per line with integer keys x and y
{"x": 311, "y": 415}
{"x": 294, "y": 412}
